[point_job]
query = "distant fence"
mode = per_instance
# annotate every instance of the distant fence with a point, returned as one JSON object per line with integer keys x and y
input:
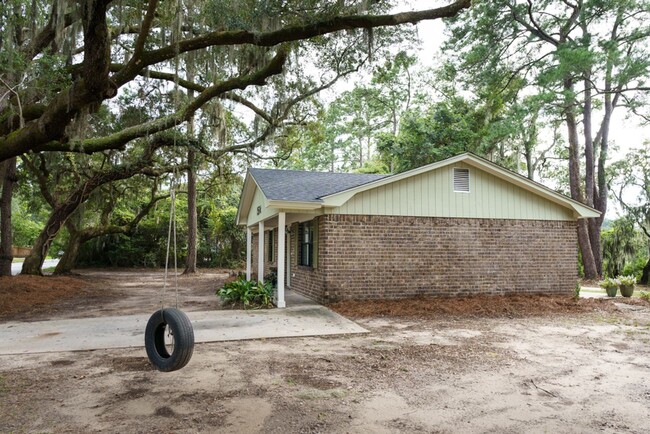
{"x": 20, "y": 252}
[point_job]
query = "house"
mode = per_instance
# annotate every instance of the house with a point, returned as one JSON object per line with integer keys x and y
{"x": 460, "y": 226}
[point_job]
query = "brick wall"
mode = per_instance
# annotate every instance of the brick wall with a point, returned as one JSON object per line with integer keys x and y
{"x": 255, "y": 249}
{"x": 305, "y": 280}
{"x": 363, "y": 257}
{"x": 308, "y": 281}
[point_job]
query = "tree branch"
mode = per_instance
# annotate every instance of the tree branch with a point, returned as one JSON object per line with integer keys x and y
{"x": 142, "y": 36}
{"x": 287, "y": 34}
{"x": 120, "y": 139}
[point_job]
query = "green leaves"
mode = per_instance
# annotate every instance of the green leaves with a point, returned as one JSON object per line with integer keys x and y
{"x": 247, "y": 293}
{"x": 444, "y": 130}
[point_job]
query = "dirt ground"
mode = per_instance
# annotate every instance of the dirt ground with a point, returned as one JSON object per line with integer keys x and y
{"x": 106, "y": 292}
{"x": 477, "y": 365}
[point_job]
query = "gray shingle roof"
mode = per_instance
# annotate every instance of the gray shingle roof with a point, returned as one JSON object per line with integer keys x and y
{"x": 303, "y": 186}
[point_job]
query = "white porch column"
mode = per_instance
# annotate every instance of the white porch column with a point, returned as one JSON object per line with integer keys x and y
{"x": 260, "y": 252}
{"x": 288, "y": 261}
{"x": 249, "y": 252}
{"x": 282, "y": 234}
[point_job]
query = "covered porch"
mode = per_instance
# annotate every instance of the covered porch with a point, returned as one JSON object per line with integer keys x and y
{"x": 271, "y": 238}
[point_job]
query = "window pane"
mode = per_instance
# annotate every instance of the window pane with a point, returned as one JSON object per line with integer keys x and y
{"x": 306, "y": 234}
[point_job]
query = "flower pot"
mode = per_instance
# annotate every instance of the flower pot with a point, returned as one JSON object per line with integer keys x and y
{"x": 611, "y": 292}
{"x": 627, "y": 290}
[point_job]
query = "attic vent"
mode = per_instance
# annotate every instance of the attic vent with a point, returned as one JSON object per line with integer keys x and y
{"x": 461, "y": 180}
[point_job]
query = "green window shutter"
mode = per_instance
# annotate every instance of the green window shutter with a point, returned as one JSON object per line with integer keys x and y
{"x": 315, "y": 265}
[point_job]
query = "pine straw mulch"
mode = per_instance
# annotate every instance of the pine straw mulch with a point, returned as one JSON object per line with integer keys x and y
{"x": 36, "y": 294}
{"x": 508, "y": 306}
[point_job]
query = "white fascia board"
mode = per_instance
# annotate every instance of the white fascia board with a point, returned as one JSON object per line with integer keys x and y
{"x": 289, "y": 205}
{"x": 246, "y": 199}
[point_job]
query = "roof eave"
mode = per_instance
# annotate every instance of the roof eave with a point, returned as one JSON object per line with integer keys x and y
{"x": 581, "y": 210}
{"x": 294, "y": 204}
{"x": 247, "y": 196}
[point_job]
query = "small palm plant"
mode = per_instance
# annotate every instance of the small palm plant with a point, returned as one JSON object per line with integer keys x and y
{"x": 247, "y": 293}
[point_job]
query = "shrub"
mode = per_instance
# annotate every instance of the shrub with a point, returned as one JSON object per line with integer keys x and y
{"x": 645, "y": 295}
{"x": 635, "y": 268}
{"x": 626, "y": 280}
{"x": 609, "y": 283}
{"x": 272, "y": 277}
{"x": 576, "y": 290}
{"x": 247, "y": 293}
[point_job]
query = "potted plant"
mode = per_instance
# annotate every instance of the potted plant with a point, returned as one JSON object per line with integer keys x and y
{"x": 627, "y": 285}
{"x": 610, "y": 286}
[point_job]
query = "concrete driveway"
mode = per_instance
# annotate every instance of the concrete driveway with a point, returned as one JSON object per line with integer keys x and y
{"x": 214, "y": 326}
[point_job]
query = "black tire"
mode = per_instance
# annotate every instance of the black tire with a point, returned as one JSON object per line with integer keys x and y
{"x": 180, "y": 328}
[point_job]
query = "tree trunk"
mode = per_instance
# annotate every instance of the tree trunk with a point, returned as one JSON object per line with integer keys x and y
{"x": 590, "y": 165}
{"x": 192, "y": 217}
{"x": 69, "y": 258}
{"x": 584, "y": 241}
{"x": 8, "y": 180}
{"x": 34, "y": 263}
{"x": 593, "y": 226}
{"x": 530, "y": 167}
{"x": 645, "y": 276}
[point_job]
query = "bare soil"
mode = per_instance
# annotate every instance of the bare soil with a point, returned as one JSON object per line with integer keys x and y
{"x": 107, "y": 292}
{"x": 506, "y": 365}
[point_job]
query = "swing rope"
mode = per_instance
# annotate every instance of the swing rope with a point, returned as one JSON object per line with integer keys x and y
{"x": 172, "y": 212}
{"x": 171, "y": 232}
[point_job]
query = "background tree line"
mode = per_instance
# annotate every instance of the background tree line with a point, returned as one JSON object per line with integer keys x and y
{"x": 108, "y": 105}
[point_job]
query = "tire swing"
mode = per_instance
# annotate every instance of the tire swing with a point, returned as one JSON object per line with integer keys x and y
{"x": 169, "y": 336}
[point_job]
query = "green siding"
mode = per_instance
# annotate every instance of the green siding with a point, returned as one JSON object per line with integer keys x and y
{"x": 259, "y": 200}
{"x": 431, "y": 195}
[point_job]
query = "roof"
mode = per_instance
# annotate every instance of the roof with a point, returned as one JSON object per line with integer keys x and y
{"x": 304, "y": 186}
{"x": 303, "y": 190}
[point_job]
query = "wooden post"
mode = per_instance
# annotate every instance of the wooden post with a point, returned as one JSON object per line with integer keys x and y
{"x": 260, "y": 252}
{"x": 249, "y": 252}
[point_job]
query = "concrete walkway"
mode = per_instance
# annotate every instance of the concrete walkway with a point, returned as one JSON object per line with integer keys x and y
{"x": 593, "y": 292}
{"x": 16, "y": 267}
{"x": 214, "y": 326}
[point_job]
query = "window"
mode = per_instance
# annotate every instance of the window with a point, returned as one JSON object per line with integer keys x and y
{"x": 461, "y": 180}
{"x": 306, "y": 243}
{"x": 271, "y": 246}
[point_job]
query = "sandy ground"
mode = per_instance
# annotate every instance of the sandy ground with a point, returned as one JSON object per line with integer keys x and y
{"x": 580, "y": 372}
